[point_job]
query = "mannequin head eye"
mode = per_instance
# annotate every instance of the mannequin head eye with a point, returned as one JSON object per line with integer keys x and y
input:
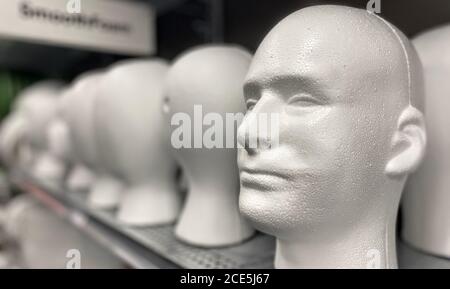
{"x": 303, "y": 100}
{"x": 166, "y": 105}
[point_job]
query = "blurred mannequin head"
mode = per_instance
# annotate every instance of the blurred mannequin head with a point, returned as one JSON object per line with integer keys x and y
{"x": 426, "y": 203}
{"x": 208, "y": 79}
{"x": 77, "y": 108}
{"x": 135, "y": 141}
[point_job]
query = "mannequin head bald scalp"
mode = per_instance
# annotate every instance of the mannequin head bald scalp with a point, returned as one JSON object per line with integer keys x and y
{"x": 348, "y": 90}
{"x": 349, "y": 49}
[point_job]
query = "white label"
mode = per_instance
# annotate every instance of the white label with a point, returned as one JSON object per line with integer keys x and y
{"x": 124, "y": 27}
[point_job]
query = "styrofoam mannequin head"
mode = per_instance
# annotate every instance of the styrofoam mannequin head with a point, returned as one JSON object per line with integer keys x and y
{"x": 210, "y": 76}
{"x": 350, "y": 132}
{"x": 134, "y": 137}
{"x": 426, "y": 200}
{"x": 27, "y": 128}
{"x": 78, "y": 110}
{"x": 92, "y": 172}
{"x": 77, "y": 107}
{"x": 39, "y": 104}
{"x": 33, "y": 109}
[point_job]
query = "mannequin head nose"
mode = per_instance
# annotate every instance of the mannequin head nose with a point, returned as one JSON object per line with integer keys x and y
{"x": 243, "y": 138}
{"x": 258, "y": 132}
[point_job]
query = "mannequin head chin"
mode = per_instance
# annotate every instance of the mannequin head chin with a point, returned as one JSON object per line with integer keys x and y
{"x": 351, "y": 127}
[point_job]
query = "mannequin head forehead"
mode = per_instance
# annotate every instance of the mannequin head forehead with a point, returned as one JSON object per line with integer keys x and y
{"x": 136, "y": 77}
{"x": 82, "y": 87}
{"x": 211, "y": 77}
{"x": 340, "y": 79}
{"x": 141, "y": 80}
{"x": 86, "y": 82}
{"x": 337, "y": 47}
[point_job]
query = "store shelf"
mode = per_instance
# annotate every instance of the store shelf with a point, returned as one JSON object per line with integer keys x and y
{"x": 146, "y": 247}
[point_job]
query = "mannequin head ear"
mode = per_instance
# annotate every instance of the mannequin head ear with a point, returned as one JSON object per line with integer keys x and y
{"x": 408, "y": 143}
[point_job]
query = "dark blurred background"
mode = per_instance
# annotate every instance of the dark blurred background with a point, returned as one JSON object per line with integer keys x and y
{"x": 245, "y": 22}
{"x": 182, "y": 24}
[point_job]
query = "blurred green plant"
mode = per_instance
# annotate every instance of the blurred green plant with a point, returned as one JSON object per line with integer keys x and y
{"x": 11, "y": 83}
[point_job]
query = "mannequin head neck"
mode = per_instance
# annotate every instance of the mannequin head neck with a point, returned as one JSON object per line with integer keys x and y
{"x": 350, "y": 131}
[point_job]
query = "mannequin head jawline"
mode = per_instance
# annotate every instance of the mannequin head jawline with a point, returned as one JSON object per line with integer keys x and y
{"x": 337, "y": 166}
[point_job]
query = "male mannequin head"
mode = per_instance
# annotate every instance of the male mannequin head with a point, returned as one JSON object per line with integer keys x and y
{"x": 347, "y": 87}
